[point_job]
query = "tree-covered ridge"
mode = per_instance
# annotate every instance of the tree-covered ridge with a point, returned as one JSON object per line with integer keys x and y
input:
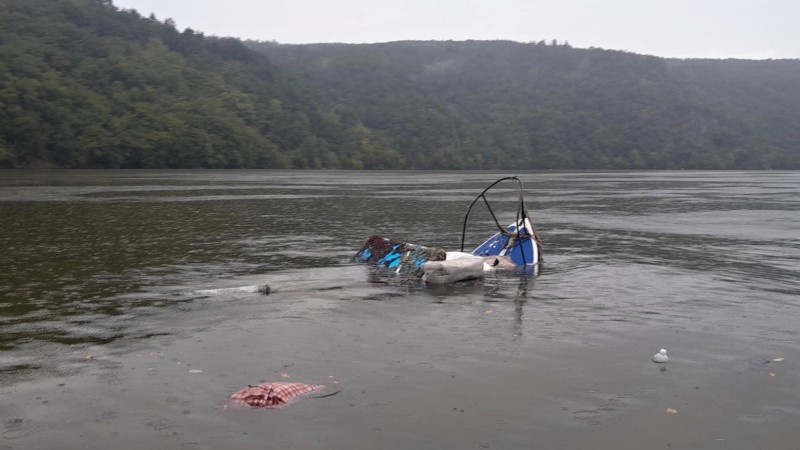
{"x": 499, "y": 104}
{"x": 84, "y": 84}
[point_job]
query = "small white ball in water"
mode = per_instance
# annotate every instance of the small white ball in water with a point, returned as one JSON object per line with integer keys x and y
{"x": 661, "y": 356}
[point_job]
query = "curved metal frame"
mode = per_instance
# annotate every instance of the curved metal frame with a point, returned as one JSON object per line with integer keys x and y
{"x": 522, "y": 213}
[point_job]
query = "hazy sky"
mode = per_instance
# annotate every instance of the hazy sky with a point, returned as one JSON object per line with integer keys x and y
{"x": 674, "y": 28}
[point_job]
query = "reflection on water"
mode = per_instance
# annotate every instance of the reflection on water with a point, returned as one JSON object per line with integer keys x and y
{"x": 113, "y": 262}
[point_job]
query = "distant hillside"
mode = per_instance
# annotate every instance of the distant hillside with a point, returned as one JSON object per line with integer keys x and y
{"x": 83, "y": 84}
{"x": 499, "y": 104}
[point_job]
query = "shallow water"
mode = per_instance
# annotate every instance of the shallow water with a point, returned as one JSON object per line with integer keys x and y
{"x": 153, "y": 274}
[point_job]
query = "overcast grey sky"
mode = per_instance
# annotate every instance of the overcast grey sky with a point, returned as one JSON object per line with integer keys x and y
{"x": 754, "y": 29}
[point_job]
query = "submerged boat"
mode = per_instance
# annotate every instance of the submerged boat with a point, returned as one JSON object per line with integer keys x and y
{"x": 519, "y": 241}
{"x": 514, "y": 246}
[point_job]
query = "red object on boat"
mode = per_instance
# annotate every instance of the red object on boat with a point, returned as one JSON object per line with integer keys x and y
{"x": 273, "y": 395}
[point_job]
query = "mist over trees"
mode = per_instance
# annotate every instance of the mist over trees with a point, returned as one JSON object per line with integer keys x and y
{"x": 85, "y": 84}
{"x": 507, "y": 104}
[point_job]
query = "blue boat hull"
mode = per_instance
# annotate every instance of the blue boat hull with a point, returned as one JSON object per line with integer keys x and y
{"x": 524, "y": 252}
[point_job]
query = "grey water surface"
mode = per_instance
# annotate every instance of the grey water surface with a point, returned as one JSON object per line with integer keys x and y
{"x": 129, "y": 312}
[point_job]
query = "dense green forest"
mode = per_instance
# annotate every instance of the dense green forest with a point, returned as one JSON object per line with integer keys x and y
{"x": 500, "y": 104}
{"x": 86, "y": 84}
{"x": 83, "y": 84}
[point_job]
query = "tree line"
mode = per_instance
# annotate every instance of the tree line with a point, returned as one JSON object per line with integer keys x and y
{"x": 84, "y": 84}
{"x": 501, "y": 104}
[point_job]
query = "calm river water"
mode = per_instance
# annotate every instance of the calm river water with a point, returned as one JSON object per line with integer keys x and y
{"x": 128, "y": 313}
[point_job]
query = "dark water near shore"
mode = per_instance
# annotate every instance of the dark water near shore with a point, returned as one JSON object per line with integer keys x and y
{"x": 153, "y": 273}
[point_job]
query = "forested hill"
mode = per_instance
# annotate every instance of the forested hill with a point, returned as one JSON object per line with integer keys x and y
{"x": 86, "y": 84}
{"x": 507, "y": 104}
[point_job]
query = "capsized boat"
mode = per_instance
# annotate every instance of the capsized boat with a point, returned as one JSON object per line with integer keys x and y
{"x": 519, "y": 241}
{"x": 514, "y": 246}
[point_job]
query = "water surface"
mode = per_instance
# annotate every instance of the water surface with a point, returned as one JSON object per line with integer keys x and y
{"x": 152, "y": 274}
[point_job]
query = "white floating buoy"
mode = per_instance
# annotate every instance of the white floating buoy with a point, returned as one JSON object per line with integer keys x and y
{"x": 661, "y": 356}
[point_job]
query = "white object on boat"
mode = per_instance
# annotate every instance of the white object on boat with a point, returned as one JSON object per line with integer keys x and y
{"x": 490, "y": 263}
{"x": 661, "y": 356}
{"x": 457, "y": 266}
{"x": 450, "y": 256}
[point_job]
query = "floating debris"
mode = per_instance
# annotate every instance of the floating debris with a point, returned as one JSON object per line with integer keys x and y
{"x": 778, "y": 359}
{"x": 401, "y": 257}
{"x": 672, "y": 411}
{"x": 457, "y": 267}
{"x": 195, "y": 371}
{"x": 272, "y": 395}
{"x": 661, "y": 356}
{"x": 514, "y": 246}
{"x": 88, "y": 357}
